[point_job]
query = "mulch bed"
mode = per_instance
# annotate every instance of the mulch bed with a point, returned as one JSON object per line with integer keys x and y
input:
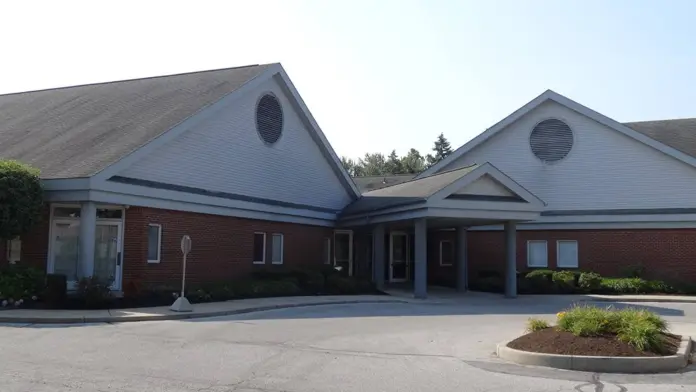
{"x": 552, "y": 341}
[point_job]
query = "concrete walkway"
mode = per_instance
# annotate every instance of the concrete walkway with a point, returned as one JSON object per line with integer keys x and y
{"x": 212, "y": 309}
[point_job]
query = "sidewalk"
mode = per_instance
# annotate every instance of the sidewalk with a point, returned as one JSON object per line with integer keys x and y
{"x": 211, "y": 309}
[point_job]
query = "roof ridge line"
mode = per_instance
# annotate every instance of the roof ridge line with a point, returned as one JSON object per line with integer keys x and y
{"x": 423, "y": 178}
{"x": 133, "y": 79}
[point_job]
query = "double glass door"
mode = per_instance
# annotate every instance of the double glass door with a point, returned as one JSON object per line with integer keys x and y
{"x": 106, "y": 262}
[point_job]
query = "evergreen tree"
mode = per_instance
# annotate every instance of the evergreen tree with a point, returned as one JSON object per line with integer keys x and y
{"x": 442, "y": 149}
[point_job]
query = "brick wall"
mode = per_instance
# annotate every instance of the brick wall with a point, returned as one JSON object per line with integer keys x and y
{"x": 665, "y": 254}
{"x": 222, "y": 246}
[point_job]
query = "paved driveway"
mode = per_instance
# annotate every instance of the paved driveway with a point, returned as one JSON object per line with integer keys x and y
{"x": 369, "y": 347}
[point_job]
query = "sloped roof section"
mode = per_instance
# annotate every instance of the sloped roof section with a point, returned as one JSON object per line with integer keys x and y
{"x": 410, "y": 192}
{"x": 371, "y": 183}
{"x": 78, "y": 131}
{"x": 679, "y": 134}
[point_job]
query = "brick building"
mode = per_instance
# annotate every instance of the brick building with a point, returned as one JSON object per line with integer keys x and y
{"x": 234, "y": 159}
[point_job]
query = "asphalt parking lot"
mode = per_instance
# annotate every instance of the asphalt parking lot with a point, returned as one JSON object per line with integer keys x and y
{"x": 358, "y": 347}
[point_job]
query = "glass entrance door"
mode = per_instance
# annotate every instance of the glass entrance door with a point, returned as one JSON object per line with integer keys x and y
{"x": 107, "y": 252}
{"x": 398, "y": 257}
{"x": 65, "y": 250}
{"x": 343, "y": 251}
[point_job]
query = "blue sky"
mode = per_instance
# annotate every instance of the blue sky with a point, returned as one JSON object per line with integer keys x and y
{"x": 382, "y": 74}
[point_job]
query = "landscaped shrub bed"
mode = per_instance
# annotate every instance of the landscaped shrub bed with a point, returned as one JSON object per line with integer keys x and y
{"x": 590, "y": 330}
{"x": 28, "y": 287}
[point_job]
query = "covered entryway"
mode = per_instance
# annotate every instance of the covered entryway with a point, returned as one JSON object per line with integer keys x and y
{"x": 400, "y": 217}
{"x": 86, "y": 240}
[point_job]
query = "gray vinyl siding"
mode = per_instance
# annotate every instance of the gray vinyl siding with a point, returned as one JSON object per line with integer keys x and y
{"x": 224, "y": 153}
{"x": 604, "y": 170}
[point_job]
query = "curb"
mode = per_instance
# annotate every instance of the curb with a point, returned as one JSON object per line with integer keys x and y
{"x": 638, "y": 300}
{"x": 599, "y": 364}
{"x": 178, "y": 316}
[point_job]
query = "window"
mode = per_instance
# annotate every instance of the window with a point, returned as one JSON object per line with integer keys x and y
{"x": 567, "y": 254}
{"x": 154, "y": 243}
{"x": 446, "y": 253}
{"x": 277, "y": 249}
{"x": 14, "y": 250}
{"x": 259, "y": 248}
{"x": 327, "y": 251}
{"x": 537, "y": 254}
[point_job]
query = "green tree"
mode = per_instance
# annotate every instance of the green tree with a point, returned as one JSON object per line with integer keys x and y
{"x": 393, "y": 164}
{"x": 349, "y": 165}
{"x": 21, "y": 198}
{"x": 442, "y": 149}
{"x": 373, "y": 164}
{"x": 413, "y": 162}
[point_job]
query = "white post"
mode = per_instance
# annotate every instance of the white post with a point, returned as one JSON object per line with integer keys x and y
{"x": 88, "y": 227}
{"x": 182, "y": 304}
{"x": 183, "y": 277}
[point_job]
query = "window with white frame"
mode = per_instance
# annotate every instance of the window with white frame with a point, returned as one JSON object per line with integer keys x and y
{"x": 259, "y": 248}
{"x": 537, "y": 254}
{"x": 14, "y": 250}
{"x": 326, "y": 251}
{"x": 446, "y": 253}
{"x": 154, "y": 243}
{"x": 277, "y": 249}
{"x": 567, "y": 254}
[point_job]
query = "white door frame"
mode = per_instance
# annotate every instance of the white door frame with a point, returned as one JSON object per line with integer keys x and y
{"x": 350, "y": 249}
{"x": 118, "y": 279}
{"x": 118, "y": 274}
{"x": 391, "y": 256}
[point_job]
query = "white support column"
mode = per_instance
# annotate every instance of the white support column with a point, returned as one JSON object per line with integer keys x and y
{"x": 378, "y": 256}
{"x": 420, "y": 284}
{"x": 510, "y": 260}
{"x": 88, "y": 226}
{"x": 462, "y": 262}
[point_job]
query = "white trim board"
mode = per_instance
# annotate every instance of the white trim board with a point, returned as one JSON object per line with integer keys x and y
{"x": 560, "y": 99}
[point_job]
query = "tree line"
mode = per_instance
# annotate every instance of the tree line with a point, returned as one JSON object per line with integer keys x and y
{"x": 376, "y": 164}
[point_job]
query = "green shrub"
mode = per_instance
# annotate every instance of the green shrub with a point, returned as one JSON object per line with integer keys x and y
{"x": 310, "y": 280}
{"x": 93, "y": 291}
{"x": 535, "y": 324}
{"x": 563, "y": 277}
{"x": 20, "y": 282}
{"x": 539, "y": 282}
{"x": 644, "y": 336}
{"x": 21, "y": 198}
{"x": 590, "y": 281}
{"x": 639, "y": 328}
{"x": 540, "y": 274}
{"x": 624, "y": 285}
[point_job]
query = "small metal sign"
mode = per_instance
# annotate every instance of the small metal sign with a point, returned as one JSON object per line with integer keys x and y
{"x": 185, "y": 244}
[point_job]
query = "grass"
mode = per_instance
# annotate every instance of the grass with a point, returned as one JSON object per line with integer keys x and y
{"x": 535, "y": 324}
{"x": 640, "y": 328}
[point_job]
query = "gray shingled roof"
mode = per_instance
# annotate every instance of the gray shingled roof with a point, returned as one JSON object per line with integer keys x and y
{"x": 679, "y": 134}
{"x": 371, "y": 183}
{"x": 78, "y": 131}
{"x": 410, "y": 192}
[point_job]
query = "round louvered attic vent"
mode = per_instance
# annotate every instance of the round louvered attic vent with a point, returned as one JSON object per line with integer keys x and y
{"x": 269, "y": 118}
{"x": 551, "y": 140}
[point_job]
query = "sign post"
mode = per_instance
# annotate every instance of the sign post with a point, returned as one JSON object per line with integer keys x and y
{"x": 182, "y": 304}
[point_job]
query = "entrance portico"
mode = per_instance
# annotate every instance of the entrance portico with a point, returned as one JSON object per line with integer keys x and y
{"x": 401, "y": 216}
